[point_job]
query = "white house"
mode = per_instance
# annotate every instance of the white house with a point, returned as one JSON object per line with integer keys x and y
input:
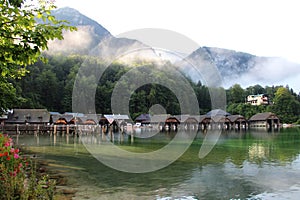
{"x": 259, "y": 99}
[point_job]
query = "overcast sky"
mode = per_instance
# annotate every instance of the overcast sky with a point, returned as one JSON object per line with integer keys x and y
{"x": 259, "y": 27}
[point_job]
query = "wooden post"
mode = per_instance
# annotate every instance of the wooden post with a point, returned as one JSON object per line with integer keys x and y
{"x": 54, "y": 139}
{"x": 103, "y": 136}
{"x": 67, "y": 138}
{"x": 111, "y": 133}
{"x": 132, "y": 139}
{"x": 54, "y": 129}
{"x": 35, "y": 130}
{"x": 68, "y": 129}
{"x": 62, "y": 129}
{"x": 37, "y": 139}
{"x": 17, "y": 129}
{"x": 38, "y": 129}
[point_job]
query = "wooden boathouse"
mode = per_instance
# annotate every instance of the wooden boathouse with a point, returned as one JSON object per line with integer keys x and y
{"x": 238, "y": 122}
{"x": 29, "y": 116}
{"x": 144, "y": 119}
{"x": 266, "y": 120}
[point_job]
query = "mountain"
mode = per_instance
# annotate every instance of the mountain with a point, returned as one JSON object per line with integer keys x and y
{"x": 228, "y": 63}
{"x": 77, "y": 19}
{"x": 90, "y": 37}
{"x": 233, "y": 67}
{"x": 244, "y": 68}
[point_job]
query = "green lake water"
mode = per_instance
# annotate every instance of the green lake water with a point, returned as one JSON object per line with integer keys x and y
{"x": 242, "y": 165}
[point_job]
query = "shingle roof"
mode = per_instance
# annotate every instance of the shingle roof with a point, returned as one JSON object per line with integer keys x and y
{"x": 117, "y": 117}
{"x": 204, "y": 117}
{"x": 185, "y": 118}
{"x": 159, "y": 118}
{"x": 263, "y": 116}
{"x": 217, "y": 112}
{"x": 144, "y": 118}
{"x": 29, "y": 116}
{"x": 234, "y": 118}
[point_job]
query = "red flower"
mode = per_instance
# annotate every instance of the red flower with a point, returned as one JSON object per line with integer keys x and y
{"x": 8, "y": 158}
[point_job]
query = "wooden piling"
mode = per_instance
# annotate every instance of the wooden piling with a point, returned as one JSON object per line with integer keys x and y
{"x": 54, "y": 129}
{"x": 68, "y": 129}
{"x": 132, "y": 139}
{"x": 17, "y": 129}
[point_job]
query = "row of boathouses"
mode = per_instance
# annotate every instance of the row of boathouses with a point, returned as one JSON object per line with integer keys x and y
{"x": 214, "y": 119}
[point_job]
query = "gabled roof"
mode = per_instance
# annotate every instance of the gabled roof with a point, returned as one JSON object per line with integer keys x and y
{"x": 55, "y": 117}
{"x": 77, "y": 120}
{"x": 263, "y": 116}
{"x": 60, "y": 121}
{"x": 113, "y": 118}
{"x": 217, "y": 112}
{"x": 172, "y": 119}
{"x": 144, "y": 118}
{"x": 74, "y": 114}
{"x": 90, "y": 122}
{"x": 94, "y": 117}
{"x": 204, "y": 117}
{"x": 29, "y": 116}
{"x": 159, "y": 118}
{"x": 117, "y": 117}
{"x": 185, "y": 118}
{"x": 54, "y": 113}
{"x": 68, "y": 117}
{"x": 234, "y": 118}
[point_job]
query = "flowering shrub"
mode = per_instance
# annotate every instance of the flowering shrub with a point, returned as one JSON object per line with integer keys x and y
{"x": 18, "y": 176}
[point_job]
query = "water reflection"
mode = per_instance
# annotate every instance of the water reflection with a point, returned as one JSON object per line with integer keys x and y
{"x": 242, "y": 165}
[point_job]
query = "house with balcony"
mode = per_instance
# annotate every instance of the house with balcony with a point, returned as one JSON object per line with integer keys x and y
{"x": 258, "y": 99}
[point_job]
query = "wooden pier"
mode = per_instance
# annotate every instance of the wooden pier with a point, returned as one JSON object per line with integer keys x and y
{"x": 34, "y": 129}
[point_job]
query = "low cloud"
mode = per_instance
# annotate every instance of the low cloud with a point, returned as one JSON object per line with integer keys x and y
{"x": 269, "y": 71}
{"x": 73, "y": 42}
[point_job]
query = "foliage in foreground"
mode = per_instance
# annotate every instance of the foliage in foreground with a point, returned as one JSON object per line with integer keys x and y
{"x": 18, "y": 176}
{"x": 22, "y": 40}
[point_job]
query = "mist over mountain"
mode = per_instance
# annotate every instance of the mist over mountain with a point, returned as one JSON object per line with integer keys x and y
{"x": 246, "y": 69}
{"x": 90, "y": 38}
{"x": 233, "y": 67}
{"x": 89, "y": 33}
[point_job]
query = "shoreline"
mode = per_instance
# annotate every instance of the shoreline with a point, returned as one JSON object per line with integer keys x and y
{"x": 64, "y": 190}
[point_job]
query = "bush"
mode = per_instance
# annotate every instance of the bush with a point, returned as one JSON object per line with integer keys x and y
{"x": 18, "y": 176}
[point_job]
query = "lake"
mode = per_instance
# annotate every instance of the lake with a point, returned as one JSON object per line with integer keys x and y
{"x": 252, "y": 164}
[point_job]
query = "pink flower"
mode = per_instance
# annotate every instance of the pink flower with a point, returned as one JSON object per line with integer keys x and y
{"x": 12, "y": 150}
{"x": 7, "y": 144}
{"x": 16, "y": 156}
